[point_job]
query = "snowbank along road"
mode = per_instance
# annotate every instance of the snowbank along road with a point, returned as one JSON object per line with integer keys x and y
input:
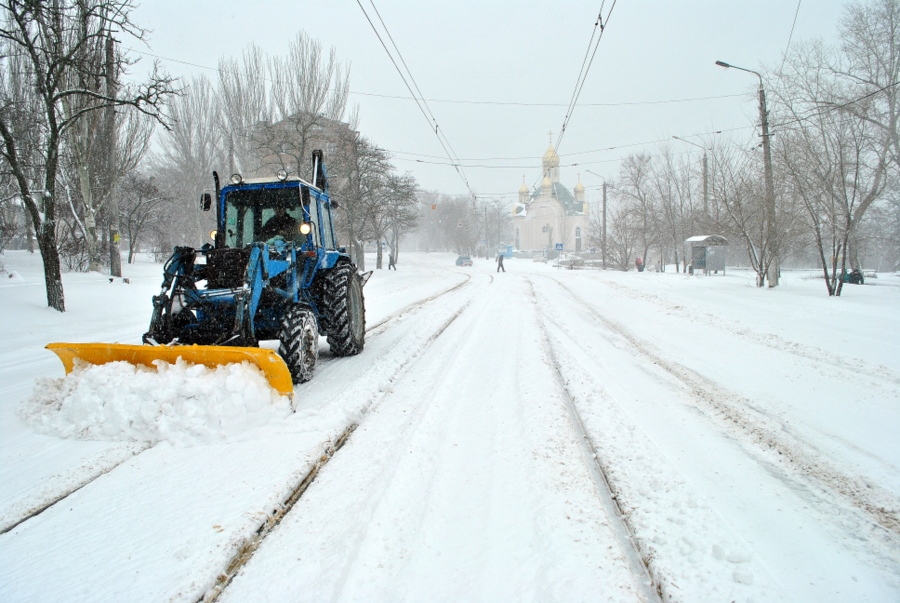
{"x": 529, "y": 435}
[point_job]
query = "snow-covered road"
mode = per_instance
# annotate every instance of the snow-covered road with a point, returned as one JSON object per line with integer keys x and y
{"x": 747, "y": 436}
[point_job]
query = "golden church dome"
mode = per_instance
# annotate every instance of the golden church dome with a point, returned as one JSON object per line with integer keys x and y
{"x": 551, "y": 158}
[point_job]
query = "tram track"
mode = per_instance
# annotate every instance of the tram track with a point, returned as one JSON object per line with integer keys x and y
{"x": 474, "y": 451}
{"x": 640, "y": 473}
{"x": 765, "y": 433}
{"x": 415, "y": 327}
{"x": 638, "y": 556}
{"x": 245, "y": 551}
{"x": 38, "y": 507}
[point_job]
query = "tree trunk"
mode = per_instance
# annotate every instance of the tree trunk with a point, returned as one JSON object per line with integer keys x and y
{"x": 358, "y": 253}
{"x": 52, "y": 276}
{"x": 29, "y": 229}
{"x": 115, "y": 257}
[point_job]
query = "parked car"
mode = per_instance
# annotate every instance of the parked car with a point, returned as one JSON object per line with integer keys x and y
{"x": 463, "y": 260}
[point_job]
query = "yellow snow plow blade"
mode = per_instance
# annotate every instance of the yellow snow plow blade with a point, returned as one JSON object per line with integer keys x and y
{"x": 212, "y": 356}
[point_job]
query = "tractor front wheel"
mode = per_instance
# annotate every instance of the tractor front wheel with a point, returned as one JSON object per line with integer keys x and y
{"x": 299, "y": 345}
{"x": 343, "y": 307}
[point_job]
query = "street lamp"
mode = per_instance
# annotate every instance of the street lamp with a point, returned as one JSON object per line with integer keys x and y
{"x": 769, "y": 239}
{"x": 603, "y": 238}
{"x": 705, "y": 186}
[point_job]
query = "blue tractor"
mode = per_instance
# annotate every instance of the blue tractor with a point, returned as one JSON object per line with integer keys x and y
{"x": 274, "y": 272}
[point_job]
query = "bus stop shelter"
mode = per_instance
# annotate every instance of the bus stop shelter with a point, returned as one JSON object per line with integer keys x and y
{"x": 708, "y": 253}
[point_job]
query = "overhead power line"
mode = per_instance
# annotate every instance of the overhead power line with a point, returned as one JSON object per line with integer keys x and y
{"x": 417, "y": 94}
{"x": 474, "y": 102}
{"x": 585, "y": 69}
{"x": 791, "y": 35}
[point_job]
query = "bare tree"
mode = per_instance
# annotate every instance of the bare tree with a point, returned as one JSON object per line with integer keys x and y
{"x": 142, "y": 207}
{"x": 837, "y": 169}
{"x": 401, "y": 211}
{"x": 191, "y": 150}
{"x": 357, "y": 175}
{"x": 308, "y": 91}
{"x": 739, "y": 204}
{"x": 671, "y": 182}
{"x": 622, "y": 233}
{"x": 42, "y": 42}
{"x": 870, "y": 62}
{"x": 637, "y": 192}
{"x": 245, "y": 110}
{"x": 835, "y": 154}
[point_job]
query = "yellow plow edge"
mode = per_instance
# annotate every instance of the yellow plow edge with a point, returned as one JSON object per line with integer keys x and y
{"x": 212, "y": 356}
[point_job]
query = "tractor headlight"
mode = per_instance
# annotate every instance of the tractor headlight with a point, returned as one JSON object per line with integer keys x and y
{"x": 305, "y": 228}
{"x": 236, "y": 179}
{"x": 212, "y": 234}
{"x": 282, "y": 175}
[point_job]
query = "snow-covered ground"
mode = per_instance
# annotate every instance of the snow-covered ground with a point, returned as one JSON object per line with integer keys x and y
{"x": 530, "y": 435}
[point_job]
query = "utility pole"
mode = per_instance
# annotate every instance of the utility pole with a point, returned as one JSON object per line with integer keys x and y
{"x": 603, "y": 234}
{"x": 603, "y": 239}
{"x": 770, "y": 238}
{"x": 705, "y": 175}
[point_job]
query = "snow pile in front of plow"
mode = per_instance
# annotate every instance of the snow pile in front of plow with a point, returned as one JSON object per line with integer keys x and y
{"x": 183, "y": 403}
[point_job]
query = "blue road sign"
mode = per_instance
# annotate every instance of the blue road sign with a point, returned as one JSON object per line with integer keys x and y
{"x": 559, "y": 246}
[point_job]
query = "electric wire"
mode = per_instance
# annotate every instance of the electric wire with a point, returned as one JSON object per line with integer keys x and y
{"x": 791, "y": 35}
{"x": 575, "y": 164}
{"x": 579, "y": 84}
{"x": 421, "y": 96}
{"x": 470, "y": 102}
{"x": 443, "y": 141}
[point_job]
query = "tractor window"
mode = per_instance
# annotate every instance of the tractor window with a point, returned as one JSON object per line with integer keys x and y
{"x": 327, "y": 230}
{"x": 313, "y": 208}
{"x": 263, "y": 214}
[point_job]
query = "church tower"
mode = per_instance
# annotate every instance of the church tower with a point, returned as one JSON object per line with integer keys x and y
{"x": 523, "y": 193}
{"x": 551, "y": 163}
{"x": 579, "y": 196}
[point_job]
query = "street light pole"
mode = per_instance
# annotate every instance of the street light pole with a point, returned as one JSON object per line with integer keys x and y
{"x": 603, "y": 238}
{"x": 770, "y": 238}
{"x": 705, "y": 185}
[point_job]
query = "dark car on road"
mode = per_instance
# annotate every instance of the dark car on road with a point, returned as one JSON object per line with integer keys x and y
{"x": 463, "y": 260}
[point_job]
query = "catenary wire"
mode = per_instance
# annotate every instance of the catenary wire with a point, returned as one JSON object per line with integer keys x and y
{"x": 473, "y": 102}
{"x": 443, "y": 141}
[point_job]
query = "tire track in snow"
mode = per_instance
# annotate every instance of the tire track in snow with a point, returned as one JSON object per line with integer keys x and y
{"x": 379, "y": 327}
{"x": 246, "y": 551}
{"x": 768, "y": 435}
{"x": 853, "y": 366}
{"x": 691, "y": 552}
{"x": 469, "y": 449}
{"x": 39, "y": 507}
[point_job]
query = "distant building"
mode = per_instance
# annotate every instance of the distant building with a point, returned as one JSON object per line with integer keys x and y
{"x": 550, "y": 214}
{"x": 290, "y": 142}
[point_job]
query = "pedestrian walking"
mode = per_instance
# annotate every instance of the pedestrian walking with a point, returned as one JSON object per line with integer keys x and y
{"x": 391, "y": 263}
{"x": 500, "y": 263}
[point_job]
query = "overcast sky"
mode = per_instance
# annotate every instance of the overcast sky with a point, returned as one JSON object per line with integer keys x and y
{"x": 468, "y": 54}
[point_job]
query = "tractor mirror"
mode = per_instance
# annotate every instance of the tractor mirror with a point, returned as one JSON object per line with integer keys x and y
{"x": 205, "y": 201}
{"x": 334, "y": 204}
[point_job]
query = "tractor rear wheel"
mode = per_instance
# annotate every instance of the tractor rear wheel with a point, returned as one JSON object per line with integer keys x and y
{"x": 343, "y": 307}
{"x": 299, "y": 347}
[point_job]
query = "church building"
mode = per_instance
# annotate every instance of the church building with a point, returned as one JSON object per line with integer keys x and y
{"x": 550, "y": 214}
